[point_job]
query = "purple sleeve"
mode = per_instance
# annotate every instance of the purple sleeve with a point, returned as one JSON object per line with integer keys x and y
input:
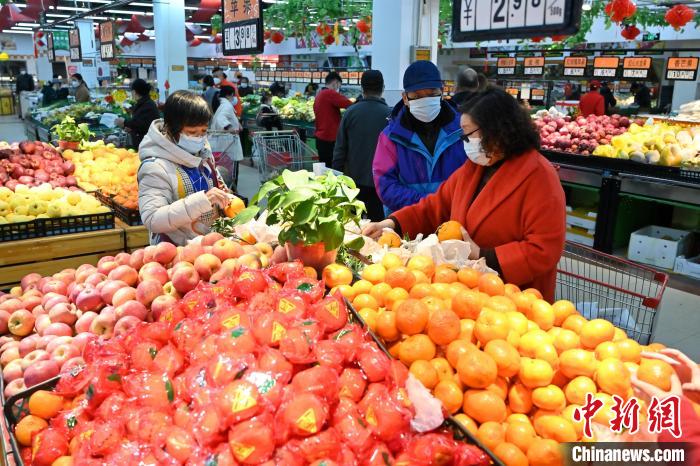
{"x": 391, "y": 190}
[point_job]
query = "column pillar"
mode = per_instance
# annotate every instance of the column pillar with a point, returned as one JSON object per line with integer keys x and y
{"x": 171, "y": 46}
{"x": 396, "y": 26}
{"x": 684, "y": 91}
{"x": 89, "y": 51}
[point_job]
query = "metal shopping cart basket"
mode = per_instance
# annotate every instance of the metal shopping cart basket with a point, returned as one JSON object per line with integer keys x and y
{"x": 607, "y": 287}
{"x": 274, "y": 151}
{"x": 225, "y": 144}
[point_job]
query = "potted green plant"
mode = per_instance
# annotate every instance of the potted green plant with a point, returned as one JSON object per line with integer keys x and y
{"x": 312, "y": 212}
{"x": 70, "y": 134}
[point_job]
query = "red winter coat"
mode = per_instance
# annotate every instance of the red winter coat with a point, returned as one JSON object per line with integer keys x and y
{"x": 592, "y": 103}
{"x": 520, "y": 213}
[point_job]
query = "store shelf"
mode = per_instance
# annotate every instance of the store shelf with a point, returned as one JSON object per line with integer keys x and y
{"x": 135, "y": 237}
{"x": 676, "y": 281}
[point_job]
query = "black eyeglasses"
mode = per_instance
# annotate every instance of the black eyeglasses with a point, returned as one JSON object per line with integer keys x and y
{"x": 465, "y": 137}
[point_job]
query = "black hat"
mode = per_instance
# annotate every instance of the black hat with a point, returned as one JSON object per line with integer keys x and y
{"x": 372, "y": 80}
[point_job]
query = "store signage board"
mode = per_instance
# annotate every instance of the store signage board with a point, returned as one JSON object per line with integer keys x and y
{"x": 533, "y": 66}
{"x": 76, "y": 53}
{"x": 106, "y": 30}
{"x": 636, "y": 67}
{"x": 60, "y": 40}
{"x": 506, "y": 66}
{"x": 575, "y": 66}
{"x": 682, "y": 68}
{"x": 50, "y": 47}
{"x": 605, "y": 67}
{"x": 242, "y": 29}
{"x": 478, "y": 20}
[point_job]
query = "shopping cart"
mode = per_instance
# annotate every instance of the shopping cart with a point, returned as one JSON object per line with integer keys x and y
{"x": 607, "y": 287}
{"x": 275, "y": 151}
{"x": 225, "y": 165}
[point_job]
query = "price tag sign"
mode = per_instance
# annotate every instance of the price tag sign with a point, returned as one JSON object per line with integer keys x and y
{"x": 512, "y": 91}
{"x": 478, "y": 20}
{"x": 50, "y": 47}
{"x": 605, "y": 67}
{"x": 345, "y": 76}
{"x": 682, "y": 68}
{"x": 74, "y": 43}
{"x": 242, "y": 29}
{"x": 506, "y": 66}
{"x": 636, "y": 67}
{"x": 354, "y": 77}
{"x": 106, "y": 30}
{"x": 317, "y": 76}
{"x": 575, "y": 66}
{"x": 533, "y": 66}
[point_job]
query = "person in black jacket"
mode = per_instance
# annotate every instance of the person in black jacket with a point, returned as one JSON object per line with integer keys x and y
{"x": 469, "y": 81}
{"x": 25, "y": 83}
{"x": 142, "y": 114}
{"x": 606, "y": 92}
{"x": 642, "y": 96}
{"x": 356, "y": 141}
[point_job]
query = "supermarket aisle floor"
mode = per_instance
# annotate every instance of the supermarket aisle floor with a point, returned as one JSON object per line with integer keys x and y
{"x": 248, "y": 180}
{"x": 11, "y": 129}
{"x": 679, "y": 322}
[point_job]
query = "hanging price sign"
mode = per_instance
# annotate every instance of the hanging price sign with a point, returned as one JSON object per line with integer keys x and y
{"x": 506, "y": 66}
{"x": 605, "y": 67}
{"x": 636, "y": 67}
{"x": 575, "y": 66}
{"x": 74, "y": 42}
{"x": 242, "y": 27}
{"x": 106, "y": 31}
{"x": 533, "y": 66}
{"x": 682, "y": 68}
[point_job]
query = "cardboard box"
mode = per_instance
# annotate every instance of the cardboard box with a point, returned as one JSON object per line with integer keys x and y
{"x": 580, "y": 236}
{"x": 581, "y": 217}
{"x": 688, "y": 266}
{"x": 658, "y": 246}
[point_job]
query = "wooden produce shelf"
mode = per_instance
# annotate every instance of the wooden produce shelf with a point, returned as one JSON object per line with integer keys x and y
{"x": 52, "y": 254}
{"x": 135, "y": 237}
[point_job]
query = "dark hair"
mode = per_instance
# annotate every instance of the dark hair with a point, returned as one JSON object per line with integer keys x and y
{"x": 184, "y": 108}
{"x": 468, "y": 79}
{"x": 79, "y": 77}
{"x": 246, "y": 79}
{"x": 225, "y": 91}
{"x": 141, "y": 87}
{"x": 265, "y": 97}
{"x": 208, "y": 80}
{"x": 333, "y": 76}
{"x": 506, "y": 127}
{"x": 217, "y": 69}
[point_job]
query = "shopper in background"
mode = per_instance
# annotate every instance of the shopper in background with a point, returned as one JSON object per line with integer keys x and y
{"x": 642, "y": 96}
{"x": 24, "y": 83}
{"x": 267, "y": 116}
{"x": 420, "y": 148}
{"x": 210, "y": 89}
{"x": 357, "y": 137}
{"x": 468, "y": 82}
{"x": 277, "y": 89}
{"x": 244, "y": 88}
{"x": 327, "y": 107}
{"x": 607, "y": 94}
{"x": 179, "y": 191}
{"x": 223, "y": 82}
{"x": 226, "y": 146}
{"x": 507, "y": 196}
{"x": 592, "y": 102}
{"x": 82, "y": 93}
{"x": 143, "y": 113}
{"x": 310, "y": 90}
{"x": 53, "y": 92}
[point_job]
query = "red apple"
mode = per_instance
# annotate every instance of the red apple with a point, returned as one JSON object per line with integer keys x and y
{"x": 66, "y": 276}
{"x": 63, "y": 313}
{"x": 51, "y": 299}
{"x": 73, "y": 362}
{"x": 28, "y": 344}
{"x": 136, "y": 260}
{"x": 148, "y": 290}
{"x": 162, "y": 303}
{"x": 123, "y": 295}
{"x": 59, "y": 329}
{"x": 206, "y": 265}
{"x": 63, "y": 353}
{"x": 107, "y": 267}
{"x": 185, "y": 279}
{"x": 57, "y": 341}
{"x": 131, "y": 308}
{"x": 123, "y": 258}
{"x": 154, "y": 271}
{"x": 191, "y": 252}
{"x": 82, "y": 339}
{"x": 84, "y": 321}
{"x": 95, "y": 279}
{"x": 44, "y": 341}
{"x": 164, "y": 253}
{"x": 83, "y": 272}
{"x": 21, "y": 322}
{"x": 103, "y": 325}
{"x": 40, "y": 372}
{"x": 30, "y": 279}
{"x": 39, "y": 311}
{"x": 169, "y": 289}
{"x": 12, "y": 371}
{"x": 126, "y": 324}
{"x": 11, "y": 305}
{"x": 211, "y": 238}
{"x": 109, "y": 288}
{"x": 42, "y": 323}
{"x": 126, "y": 274}
{"x": 10, "y": 354}
{"x": 4, "y": 319}
{"x": 227, "y": 249}
{"x": 89, "y": 299}
{"x": 14, "y": 387}
{"x": 34, "y": 357}
{"x": 148, "y": 253}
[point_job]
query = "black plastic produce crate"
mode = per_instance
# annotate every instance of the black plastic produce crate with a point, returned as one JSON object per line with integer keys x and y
{"x": 42, "y": 227}
{"x": 131, "y": 217}
{"x": 19, "y": 231}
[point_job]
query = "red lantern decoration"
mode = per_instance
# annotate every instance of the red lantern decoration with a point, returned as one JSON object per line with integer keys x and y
{"x": 679, "y": 16}
{"x": 195, "y": 42}
{"x": 362, "y": 26}
{"x": 329, "y": 39}
{"x": 630, "y": 31}
{"x": 266, "y": 35}
{"x": 559, "y": 38}
{"x": 619, "y": 10}
{"x": 277, "y": 37}
{"x": 322, "y": 29}
{"x": 537, "y": 39}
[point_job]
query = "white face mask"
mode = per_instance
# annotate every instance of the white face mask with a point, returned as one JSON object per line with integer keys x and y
{"x": 234, "y": 101}
{"x": 74, "y": 83}
{"x": 475, "y": 153}
{"x": 244, "y": 85}
{"x": 425, "y": 109}
{"x": 217, "y": 81}
{"x": 191, "y": 144}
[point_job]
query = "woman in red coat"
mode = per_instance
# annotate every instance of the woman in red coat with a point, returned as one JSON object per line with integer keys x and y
{"x": 507, "y": 196}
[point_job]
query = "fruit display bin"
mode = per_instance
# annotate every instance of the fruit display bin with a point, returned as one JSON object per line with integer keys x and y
{"x": 131, "y": 217}
{"x": 41, "y": 227}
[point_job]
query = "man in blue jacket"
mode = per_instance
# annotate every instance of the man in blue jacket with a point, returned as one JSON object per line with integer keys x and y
{"x": 421, "y": 146}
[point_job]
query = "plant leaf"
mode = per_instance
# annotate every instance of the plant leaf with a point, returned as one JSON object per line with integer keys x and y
{"x": 293, "y": 180}
{"x": 305, "y": 212}
{"x": 356, "y": 244}
{"x": 331, "y": 234}
{"x": 246, "y": 215}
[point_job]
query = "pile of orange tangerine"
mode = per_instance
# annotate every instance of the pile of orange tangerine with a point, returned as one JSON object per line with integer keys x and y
{"x": 511, "y": 367}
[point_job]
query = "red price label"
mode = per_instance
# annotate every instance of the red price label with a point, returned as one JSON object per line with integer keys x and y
{"x": 575, "y": 62}
{"x": 507, "y": 62}
{"x": 637, "y": 63}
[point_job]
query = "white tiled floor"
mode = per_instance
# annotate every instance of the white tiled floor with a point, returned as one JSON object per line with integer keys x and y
{"x": 678, "y": 323}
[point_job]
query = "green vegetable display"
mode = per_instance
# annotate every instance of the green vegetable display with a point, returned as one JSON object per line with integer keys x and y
{"x": 69, "y": 131}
